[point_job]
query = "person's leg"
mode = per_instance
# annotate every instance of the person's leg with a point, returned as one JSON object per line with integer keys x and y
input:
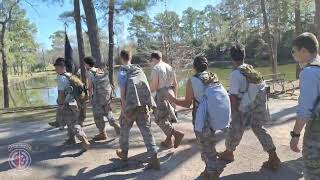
{"x": 126, "y": 125}
{"x": 98, "y": 113}
{"x": 207, "y": 142}
{"x": 163, "y": 120}
{"x": 112, "y": 121}
{"x": 311, "y": 150}
{"x": 259, "y": 116}
{"x": 82, "y": 113}
{"x": 59, "y": 122}
{"x": 72, "y": 113}
{"x": 234, "y": 136}
{"x": 144, "y": 123}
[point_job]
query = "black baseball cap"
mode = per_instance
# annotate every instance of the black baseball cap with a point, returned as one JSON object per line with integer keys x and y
{"x": 60, "y": 62}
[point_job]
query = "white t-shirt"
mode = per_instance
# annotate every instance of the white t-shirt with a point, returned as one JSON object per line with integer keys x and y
{"x": 64, "y": 85}
{"x": 238, "y": 82}
{"x": 164, "y": 73}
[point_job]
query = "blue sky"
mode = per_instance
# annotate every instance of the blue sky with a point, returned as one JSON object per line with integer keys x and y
{"x": 46, "y": 15}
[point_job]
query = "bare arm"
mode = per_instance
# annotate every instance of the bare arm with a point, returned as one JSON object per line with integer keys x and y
{"x": 61, "y": 97}
{"x": 187, "y": 100}
{"x": 90, "y": 87}
{"x": 234, "y": 102}
{"x": 175, "y": 85}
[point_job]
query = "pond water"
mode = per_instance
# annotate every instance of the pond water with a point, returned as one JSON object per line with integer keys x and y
{"x": 43, "y": 91}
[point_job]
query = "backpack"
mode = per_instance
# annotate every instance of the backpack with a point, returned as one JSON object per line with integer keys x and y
{"x": 79, "y": 90}
{"x": 137, "y": 88}
{"x": 101, "y": 84}
{"x": 252, "y": 75}
{"x": 214, "y": 106}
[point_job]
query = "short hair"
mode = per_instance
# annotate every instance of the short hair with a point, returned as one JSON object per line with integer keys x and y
{"x": 125, "y": 55}
{"x": 237, "y": 52}
{"x": 90, "y": 61}
{"x": 156, "y": 54}
{"x": 308, "y": 41}
{"x": 200, "y": 63}
{"x": 60, "y": 62}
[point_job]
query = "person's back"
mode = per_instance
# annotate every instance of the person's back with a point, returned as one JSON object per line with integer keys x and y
{"x": 131, "y": 81}
{"x": 165, "y": 74}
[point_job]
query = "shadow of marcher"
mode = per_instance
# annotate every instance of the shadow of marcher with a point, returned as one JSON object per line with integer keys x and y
{"x": 290, "y": 170}
{"x": 133, "y": 163}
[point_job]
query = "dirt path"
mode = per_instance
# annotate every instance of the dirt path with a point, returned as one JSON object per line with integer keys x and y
{"x": 50, "y": 160}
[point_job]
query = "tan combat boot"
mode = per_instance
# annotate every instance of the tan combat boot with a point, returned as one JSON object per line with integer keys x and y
{"x": 167, "y": 143}
{"x": 178, "y": 136}
{"x": 117, "y": 129}
{"x": 100, "y": 137}
{"x": 204, "y": 173}
{"x": 85, "y": 144}
{"x": 213, "y": 176}
{"x": 154, "y": 163}
{"x": 70, "y": 141}
{"x": 123, "y": 155}
{"x": 273, "y": 162}
{"x": 226, "y": 156}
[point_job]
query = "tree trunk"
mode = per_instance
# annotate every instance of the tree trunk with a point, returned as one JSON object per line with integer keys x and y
{"x": 317, "y": 18}
{"x": 298, "y": 29}
{"x": 93, "y": 30}
{"x": 77, "y": 19}
{"x": 4, "y": 68}
{"x": 111, "y": 40}
{"x": 269, "y": 37}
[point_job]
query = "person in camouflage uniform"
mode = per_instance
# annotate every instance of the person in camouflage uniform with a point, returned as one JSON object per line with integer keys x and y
{"x": 249, "y": 107}
{"x": 163, "y": 81}
{"x": 68, "y": 108}
{"x": 136, "y": 102}
{"x": 100, "y": 95}
{"x": 306, "y": 53}
{"x": 206, "y": 140}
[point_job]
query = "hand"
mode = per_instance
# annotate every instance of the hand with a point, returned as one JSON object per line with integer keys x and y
{"x": 294, "y": 144}
{"x": 169, "y": 97}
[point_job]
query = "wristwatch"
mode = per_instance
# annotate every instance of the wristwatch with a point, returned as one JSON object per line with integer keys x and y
{"x": 294, "y": 135}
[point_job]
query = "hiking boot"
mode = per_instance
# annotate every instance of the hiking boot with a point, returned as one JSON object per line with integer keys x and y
{"x": 54, "y": 124}
{"x": 100, "y": 137}
{"x": 226, "y": 156}
{"x": 273, "y": 162}
{"x": 167, "y": 143}
{"x": 85, "y": 144}
{"x": 62, "y": 128}
{"x": 70, "y": 141}
{"x": 213, "y": 176}
{"x": 123, "y": 155}
{"x": 154, "y": 163}
{"x": 117, "y": 129}
{"x": 204, "y": 173}
{"x": 178, "y": 136}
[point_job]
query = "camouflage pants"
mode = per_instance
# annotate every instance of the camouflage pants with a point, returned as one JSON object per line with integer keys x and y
{"x": 59, "y": 117}
{"x": 238, "y": 125}
{"x": 164, "y": 113}
{"x": 311, "y": 150}
{"x": 207, "y": 144}
{"x": 71, "y": 117}
{"x": 82, "y": 113}
{"x": 142, "y": 118}
{"x": 99, "y": 111}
